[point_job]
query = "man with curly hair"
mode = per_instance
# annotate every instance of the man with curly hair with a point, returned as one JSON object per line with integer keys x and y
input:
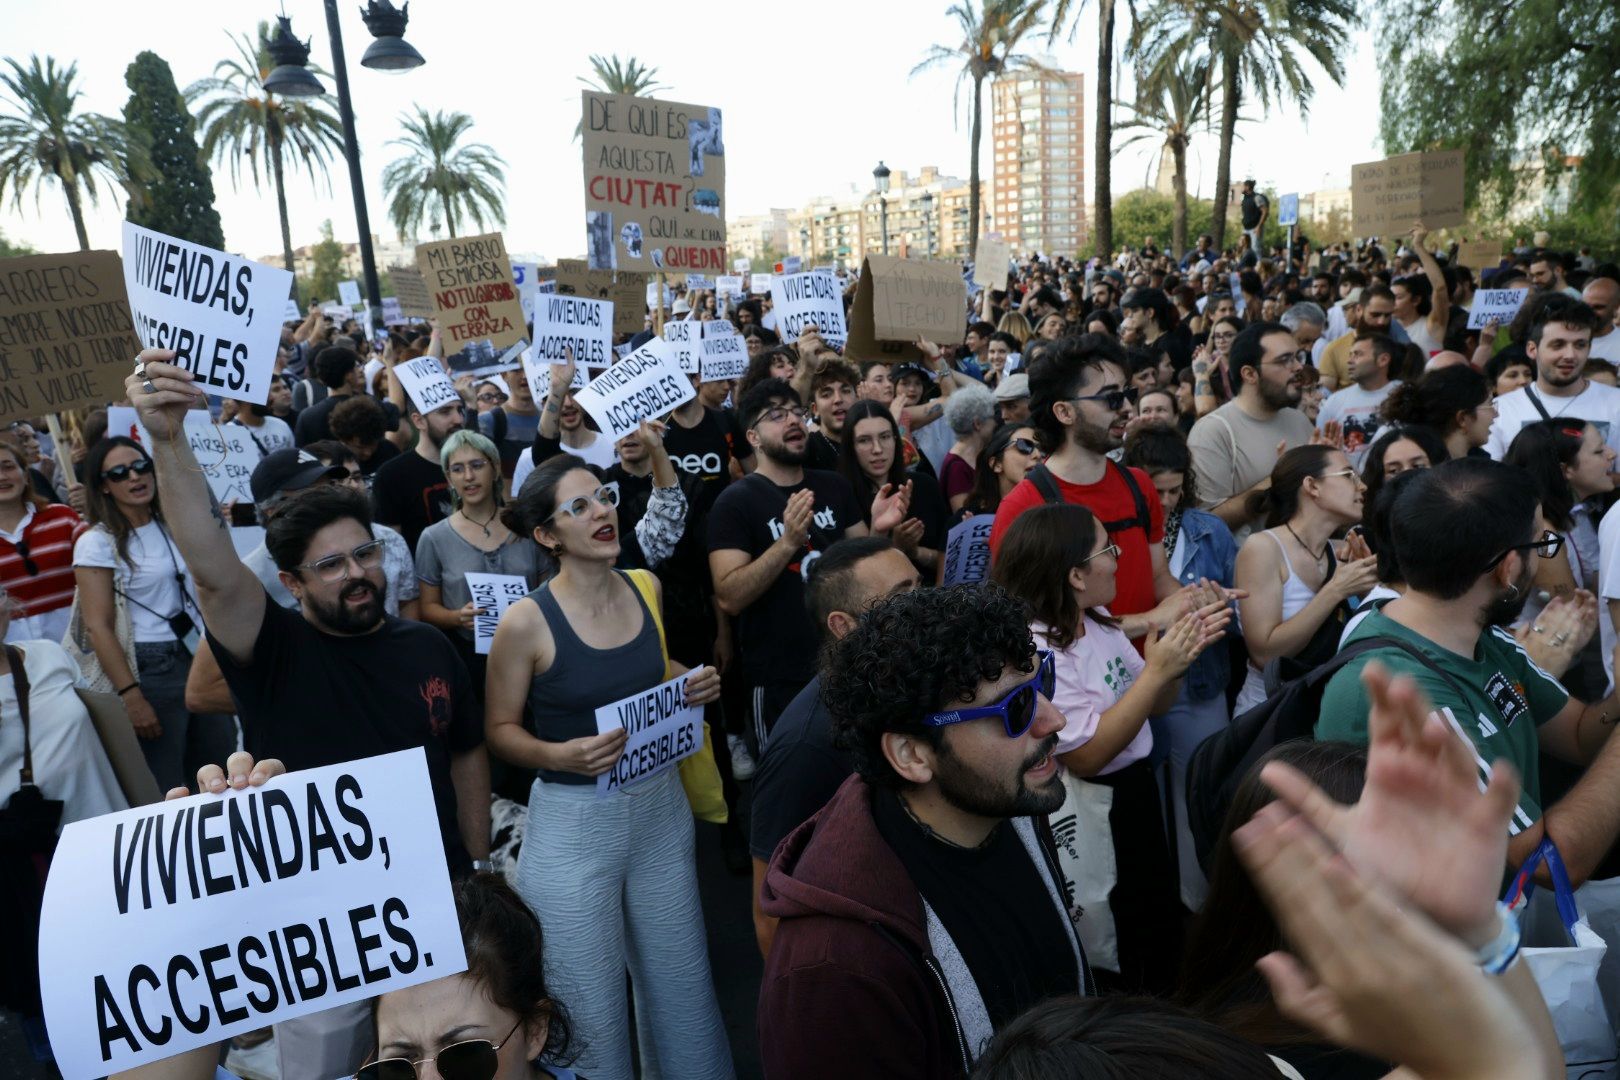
{"x": 922, "y": 908}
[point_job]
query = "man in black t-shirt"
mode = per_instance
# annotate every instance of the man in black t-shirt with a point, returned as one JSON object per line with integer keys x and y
{"x": 763, "y": 534}
{"x": 1256, "y": 208}
{"x": 698, "y": 444}
{"x": 410, "y": 492}
{"x": 338, "y": 367}
{"x": 832, "y": 392}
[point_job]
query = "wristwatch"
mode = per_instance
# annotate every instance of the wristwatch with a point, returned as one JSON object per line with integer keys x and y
{"x": 483, "y": 866}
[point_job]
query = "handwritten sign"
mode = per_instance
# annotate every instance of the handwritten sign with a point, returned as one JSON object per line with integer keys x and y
{"x": 990, "y": 267}
{"x": 575, "y": 278}
{"x": 655, "y": 182}
{"x": 722, "y": 358}
{"x": 67, "y": 336}
{"x": 182, "y": 924}
{"x": 492, "y": 594}
{"x": 411, "y": 288}
{"x": 470, "y": 278}
{"x": 426, "y": 384}
{"x": 1387, "y": 197}
{"x": 1495, "y": 305}
{"x": 218, "y": 312}
{"x": 967, "y": 550}
{"x": 683, "y": 336}
{"x": 814, "y": 297}
{"x": 662, "y": 728}
{"x": 901, "y": 300}
{"x": 648, "y": 382}
{"x": 1479, "y": 254}
{"x": 577, "y": 323}
{"x": 226, "y": 452}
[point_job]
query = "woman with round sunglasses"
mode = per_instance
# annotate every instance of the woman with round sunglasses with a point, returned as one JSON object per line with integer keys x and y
{"x": 128, "y": 560}
{"x": 36, "y": 552}
{"x": 612, "y": 878}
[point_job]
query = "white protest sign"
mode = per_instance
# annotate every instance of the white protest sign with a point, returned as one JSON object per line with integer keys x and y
{"x": 1495, "y": 305}
{"x": 718, "y": 328}
{"x": 663, "y": 730}
{"x": 759, "y": 284}
{"x": 216, "y": 311}
{"x": 291, "y": 313}
{"x": 526, "y": 276}
{"x": 349, "y": 293}
{"x": 741, "y": 265}
{"x": 391, "y": 311}
{"x": 967, "y": 550}
{"x": 683, "y": 337}
{"x": 790, "y": 265}
{"x": 648, "y": 382}
{"x": 653, "y": 294}
{"x": 579, "y": 323}
{"x": 222, "y": 914}
{"x": 426, "y": 384}
{"x": 337, "y": 312}
{"x": 226, "y": 452}
{"x": 538, "y": 372}
{"x": 492, "y": 594}
{"x": 721, "y": 358}
{"x": 815, "y": 298}
{"x": 698, "y": 281}
{"x": 729, "y": 285}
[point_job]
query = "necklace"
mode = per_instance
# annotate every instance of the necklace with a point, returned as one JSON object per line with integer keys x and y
{"x": 481, "y": 524}
{"x": 1304, "y": 545}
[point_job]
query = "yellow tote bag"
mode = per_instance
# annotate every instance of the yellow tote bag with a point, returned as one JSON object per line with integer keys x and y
{"x": 699, "y": 774}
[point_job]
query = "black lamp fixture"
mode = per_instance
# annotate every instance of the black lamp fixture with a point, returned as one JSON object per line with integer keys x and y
{"x": 291, "y": 76}
{"x": 390, "y": 52}
{"x": 879, "y": 174}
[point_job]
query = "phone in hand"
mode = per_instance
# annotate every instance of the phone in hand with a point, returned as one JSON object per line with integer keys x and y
{"x": 244, "y": 513}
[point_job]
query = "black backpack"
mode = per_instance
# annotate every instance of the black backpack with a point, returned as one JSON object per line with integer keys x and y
{"x": 1219, "y": 763}
{"x": 1044, "y": 483}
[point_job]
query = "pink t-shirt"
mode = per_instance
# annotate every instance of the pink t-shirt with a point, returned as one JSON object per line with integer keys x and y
{"x": 1093, "y": 673}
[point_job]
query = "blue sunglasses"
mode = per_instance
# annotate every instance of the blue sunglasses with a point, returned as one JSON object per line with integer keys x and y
{"x": 1017, "y": 709}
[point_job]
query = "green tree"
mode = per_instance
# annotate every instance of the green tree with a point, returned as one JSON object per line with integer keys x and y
{"x": 327, "y": 269}
{"x": 43, "y": 137}
{"x": 441, "y": 178}
{"x": 10, "y": 249}
{"x": 1520, "y": 86}
{"x": 242, "y": 121}
{"x": 1171, "y": 108}
{"x": 1257, "y": 50}
{"x": 179, "y": 200}
{"x": 1146, "y": 212}
{"x": 615, "y": 76}
{"x": 990, "y": 36}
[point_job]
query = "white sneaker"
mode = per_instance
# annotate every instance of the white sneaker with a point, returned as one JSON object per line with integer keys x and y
{"x": 742, "y": 762}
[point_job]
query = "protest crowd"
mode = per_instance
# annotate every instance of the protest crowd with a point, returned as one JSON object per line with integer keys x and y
{"x": 1139, "y": 666}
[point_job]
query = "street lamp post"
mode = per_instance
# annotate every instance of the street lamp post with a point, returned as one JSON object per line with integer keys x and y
{"x": 928, "y": 220}
{"x": 290, "y": 78}
{"x": 881, "y": 176}
{"x": 804, "y": 243}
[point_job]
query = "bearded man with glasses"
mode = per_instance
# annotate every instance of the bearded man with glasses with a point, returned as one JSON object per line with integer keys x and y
{"x": 337, "y": 680}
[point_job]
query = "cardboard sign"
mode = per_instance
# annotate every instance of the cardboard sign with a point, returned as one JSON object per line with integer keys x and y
{"x": 349, "y": 293}
{"x": 492, "y": 594}
{"x": 470, "y": 278}
{"x": 216, "y": 311}
{"x": 683, "y": 336}
{"x": 663, "y": 730}
{"x": 967, "y": 550}
{"x": 67, "y": 337}
{"x": 648, "y": 382}
{"x": 226, "y": 452}
{"x": 1388, "y": 197}
{"x": 1495, "y": 305}
{"x": 722, "y": 358}
{"x": 1288, "y": 209}
{"x": 1479, "y": 254}
{"x": 411, "y": 288}
{"x": 575, "y": 278}
{"x": 900, "y": 300}
{"x": 810, "y": 298}
{"x": 426, "y": 384}
{"x": 990, "y": 267}
{"x": 655, "y": 183}
{"x": 729, "y": 285}
{"x": 579, "y": 323}
{"x": 760, "y": 284}
{"x": 182, "y": 924}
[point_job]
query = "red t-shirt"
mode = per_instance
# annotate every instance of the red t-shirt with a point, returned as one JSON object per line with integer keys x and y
{"x": 1109, "y": 500}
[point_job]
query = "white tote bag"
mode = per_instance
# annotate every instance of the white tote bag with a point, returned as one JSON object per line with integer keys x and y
{"x": 1085, "y": 847}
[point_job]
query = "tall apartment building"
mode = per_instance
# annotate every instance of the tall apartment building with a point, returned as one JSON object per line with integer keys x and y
{"x": 1038, "y": 130}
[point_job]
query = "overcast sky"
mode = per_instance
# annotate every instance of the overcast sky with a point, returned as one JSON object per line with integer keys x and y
{"x": 813, "y": 97}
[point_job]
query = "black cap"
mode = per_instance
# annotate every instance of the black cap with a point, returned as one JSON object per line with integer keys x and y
{"x": 289, "y": 470}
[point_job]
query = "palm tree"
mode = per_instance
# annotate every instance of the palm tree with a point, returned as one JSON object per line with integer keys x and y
{"x": 42, "y": 137}
{"x": 437, "y": 176}
{"x": 615, "y": 76}
{"x": 1068, "y": 11}
{"x": 241, "y": 120}
{"x": 990, "y": 37}
{"x": 1171, "y": 108}
{"x": 1256, "y": 46}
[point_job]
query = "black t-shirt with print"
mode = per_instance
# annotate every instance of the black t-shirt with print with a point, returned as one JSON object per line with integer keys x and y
{"x": 410, "y": 493}
{"x": 314, "y": 699}
{"x": 703, "y": 451}
{"x": 820, "y": 452}
{"x": 774, "y": 633}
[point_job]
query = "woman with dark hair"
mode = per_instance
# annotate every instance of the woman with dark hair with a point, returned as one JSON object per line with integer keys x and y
{"x": 869, "y": 458}
{"x": 1012, "y": 450}
{"x": 779, "y": 362}
{"x": 1211, "y": 359}
{"x": 613, "y": 878}
{"x": 1453, "y": 401}
{"x": 1060, "y": 561}
{"x": 1296, "y": 604}
{"x": 137, "y": 602}
{"x": 1509, "y": 370}
{"x": 1002, "y": 348}
{"x": 1102, "y": 321}
{"x": 36, "y": 552}
{"x": 1400, "y": 448}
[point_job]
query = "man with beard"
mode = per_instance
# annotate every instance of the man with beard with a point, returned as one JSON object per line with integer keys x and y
{"x": 922, "y": 908}
{"x": 410, "y": 491}
{"x": 1235, "y": 447}
{"x": 1465, "y": 584}
{"x": 1371, "y": 314}
{"x": 337, "y": 680}
{"x": 765, "y": 531}
{"x": 1558, "y": 342}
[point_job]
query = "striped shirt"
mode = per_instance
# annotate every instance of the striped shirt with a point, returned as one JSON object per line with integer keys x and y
{"x": 47, "y": 537}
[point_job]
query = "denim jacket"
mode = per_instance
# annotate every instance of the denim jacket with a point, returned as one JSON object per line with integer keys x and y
{"x": 1212, "y": 554}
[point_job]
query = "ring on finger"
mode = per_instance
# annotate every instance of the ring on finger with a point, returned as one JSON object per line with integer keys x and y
{"x": 1559, "y": 639}
{"x": 147, "y": 386}
{"x": 1538, "y": 629}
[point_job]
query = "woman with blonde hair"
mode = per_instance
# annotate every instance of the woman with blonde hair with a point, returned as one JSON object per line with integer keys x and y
{"x": 1015, "y": 324}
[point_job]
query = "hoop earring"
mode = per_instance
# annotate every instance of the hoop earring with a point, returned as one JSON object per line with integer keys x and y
{"x": 1514, "y": 591}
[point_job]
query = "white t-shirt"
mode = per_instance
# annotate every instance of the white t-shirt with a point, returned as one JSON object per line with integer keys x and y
{"x": 1093, "y": 673}
{"x": 1607, "y": 347}
{"x": 599, "y": 453}
{"x": 1356, "y": 410}
{"x": 69, "y": 762}
{"x": 1597, "y": 404}
{"x": 1608, "y": 585}
{"x": 270, "y": 436}
{"x": 147, "y": 580}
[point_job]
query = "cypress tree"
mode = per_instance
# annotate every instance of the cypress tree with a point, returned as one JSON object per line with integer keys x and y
{"x": 179, "y": 199}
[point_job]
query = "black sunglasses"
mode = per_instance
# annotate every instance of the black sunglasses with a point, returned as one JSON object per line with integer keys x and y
{"x": 28, "y": 564}
{"x": 1026, "y": 447}
{"x": 475, "y": 1059}
{"x": 120, "y": 473}
{"x": 1112, "y": 399}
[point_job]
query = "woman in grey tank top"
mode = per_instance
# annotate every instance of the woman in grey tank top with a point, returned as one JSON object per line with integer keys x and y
{"x": 612, "y": 878}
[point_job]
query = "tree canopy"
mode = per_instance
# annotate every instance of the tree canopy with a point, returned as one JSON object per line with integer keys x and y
{"x": 179, "y": 197}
